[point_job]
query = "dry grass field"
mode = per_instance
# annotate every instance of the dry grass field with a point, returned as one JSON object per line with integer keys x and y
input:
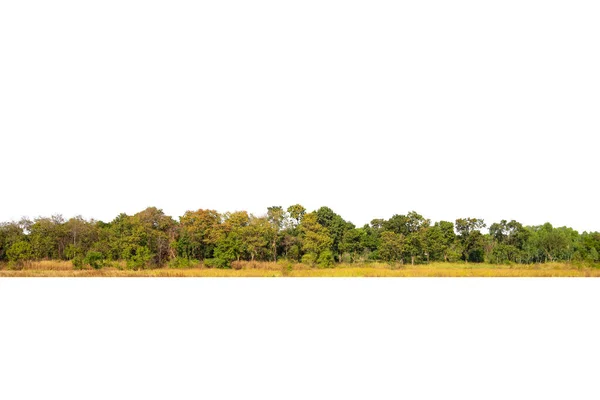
{"x": 286, "y": 269}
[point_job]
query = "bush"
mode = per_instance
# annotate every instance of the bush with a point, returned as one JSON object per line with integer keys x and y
{"x": 309, "y": 259}
{"x": 139, "y": 259}
{"x": 217, "y": 263}
{"x": 77, "y": 262}
{"x": 19, "y": 252}
{"x": 94, "y": 259}
{"x": 237, "y": 265}
{"x": 325, "y": 259}
{"x": 72, "y": 251}
{"x": 373, "y": 255}
{"x": 476, "y": 255}
{"x": 294, "y": 253}
{"x": 347, "y": 258}
{"x": 183, "y": 262}
{"x": 286, "y": 267}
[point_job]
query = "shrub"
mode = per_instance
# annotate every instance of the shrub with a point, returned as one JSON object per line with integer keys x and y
{"x": 325, "y": 259}
{"x": 237, "y": 265}
{"x": 286, "y": 268}
{"x": 139, "y": 259}
{"x": 94, "y": 259}
{"x": 19, "y": 252}
{"x": 183, "y": 262}
{"x": 78, "y": 262}
{"x": 294, "y": 253}
{"x": 309, "y": 259}
{"x": 217, "y": 263}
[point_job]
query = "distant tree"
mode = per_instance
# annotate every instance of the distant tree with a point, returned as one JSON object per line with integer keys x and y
{"x": 199, "y": 232}
{"x": 276, "y": 216}
{"x": 81, "y": 236}
{"x": 296, "y": 213}
{"x": 391, "y": 248}
{"x": 20, "y": 251}
{"x": 336, "y": 226}
{"x": 315, "y": 237}
{"x": 413, "y": 228}
{"x": 47, "y": 237}
{"x": 256, "y": 236}
{"x": 352, "y": 243}
{"x": 439, "y": 240}
{"x": 157, "y": 232}
{"x": 552, "y": 242}
{"x": 10, "y": 233}
{"x": 470, "y": 238}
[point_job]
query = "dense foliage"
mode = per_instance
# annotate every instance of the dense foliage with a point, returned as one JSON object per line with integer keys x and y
{"x": 320, "y": 238}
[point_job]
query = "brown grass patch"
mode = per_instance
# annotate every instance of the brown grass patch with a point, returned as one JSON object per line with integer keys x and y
{"x": 286, "y": 268}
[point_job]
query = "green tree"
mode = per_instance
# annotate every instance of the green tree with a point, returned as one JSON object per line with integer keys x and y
{"x": 296, "y": 213}
{"x": 48, "y": 237}
{"x": 157, "y": 232}
{"x": 199, "y": 232}
{"x": 336, "y": 227}
{"x": 276, "y": 217}
{"x": 19, "y": 252}
{"x": 315, "y": 237}
{"x": 256, "y": 236}
{"x": 352, "y": 243}
{"x": 550, "y": 241}
{"x": 439, "y": 240}
{"x": 413, "y": 228}
{"x": 391, "y": 248}
{"x": 10, "y": 233}
{"x": 470, "y": 238}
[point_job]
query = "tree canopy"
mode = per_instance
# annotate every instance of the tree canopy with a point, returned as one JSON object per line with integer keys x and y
{"x": 321, "y": 238}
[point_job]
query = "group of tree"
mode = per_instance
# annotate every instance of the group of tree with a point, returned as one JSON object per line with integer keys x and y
{"x": 152, "y": 239}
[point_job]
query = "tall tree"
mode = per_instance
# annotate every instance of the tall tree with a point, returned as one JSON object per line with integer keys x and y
{"x": 315, "y": 237}
{"x": 392, "y": 246}
{"x": 199, "y": 233}
{"x": 470, "y": 238}
{"x": 276, "y": 216}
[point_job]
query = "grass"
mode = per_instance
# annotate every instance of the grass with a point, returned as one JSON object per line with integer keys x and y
{"x": 283, "y": 268}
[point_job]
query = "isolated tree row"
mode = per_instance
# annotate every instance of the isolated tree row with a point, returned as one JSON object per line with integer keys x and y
{"x": 151, "y": 239}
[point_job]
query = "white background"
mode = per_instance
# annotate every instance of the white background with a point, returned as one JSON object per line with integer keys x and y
{"x": 463, "y": 108}
{"x": 453, "y": 109}
{"x": 272, "y": 339}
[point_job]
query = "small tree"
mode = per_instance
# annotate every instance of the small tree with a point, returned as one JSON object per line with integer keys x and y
{"x": 19, "y": 252}
{"x": 470, "y": 238}
{"x": 391, "y": 247}
{"x": 94, "y": 259}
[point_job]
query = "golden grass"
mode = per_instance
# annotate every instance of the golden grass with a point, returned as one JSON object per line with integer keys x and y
{"x": 284, "y": 268}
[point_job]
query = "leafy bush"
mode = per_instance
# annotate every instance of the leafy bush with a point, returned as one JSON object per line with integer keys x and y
{"x": 19, "y": 252}
{"x": 325, "y": 259}
{"x": 286, "y": 267}
{"x": 294, "y": 253}
{"x": 77, "y": 262}
{"x": 309, "y": 259}
{"x": 139, "y": 258}
{"x": 94, "y": 259}
{"x": 183, "y": 262}
{"x": 72, "y": 251}
{"x": 217, "y": 263}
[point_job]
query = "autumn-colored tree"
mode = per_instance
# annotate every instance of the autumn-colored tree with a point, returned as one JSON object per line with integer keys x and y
{"x": 315, "y": 238}
{"x": 392, "y": 246}
{"x": 199, "y": 232}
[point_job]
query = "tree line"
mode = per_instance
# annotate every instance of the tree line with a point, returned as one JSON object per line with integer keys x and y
{"x": 150, "y": 239}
